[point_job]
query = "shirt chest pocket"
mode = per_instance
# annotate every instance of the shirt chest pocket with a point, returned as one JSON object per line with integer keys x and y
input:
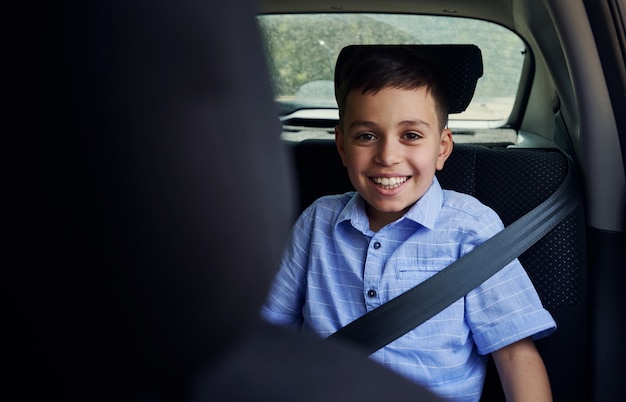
{"x": 409, "y": 274}
{"x": 412, "y": 273}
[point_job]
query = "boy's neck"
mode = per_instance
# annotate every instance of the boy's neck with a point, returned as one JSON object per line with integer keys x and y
{"x": 378, "y": 220}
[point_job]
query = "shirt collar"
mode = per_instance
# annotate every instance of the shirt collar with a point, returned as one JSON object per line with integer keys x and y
{"x": 426, "y": 209}
{"x": 354, "y": 212}
{"x": 424, "y": 212}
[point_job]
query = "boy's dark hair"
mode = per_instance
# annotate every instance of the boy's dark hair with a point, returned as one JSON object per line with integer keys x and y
{"x": 372, "y": 68}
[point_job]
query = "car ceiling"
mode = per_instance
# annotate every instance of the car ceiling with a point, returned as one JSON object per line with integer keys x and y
{"x": 499, "y": 11}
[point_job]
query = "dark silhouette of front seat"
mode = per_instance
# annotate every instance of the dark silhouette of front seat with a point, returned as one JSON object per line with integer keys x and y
{"x": 152, "y": 204}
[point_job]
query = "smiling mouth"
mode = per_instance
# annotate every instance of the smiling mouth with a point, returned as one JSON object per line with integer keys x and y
{"x": 389, "y": 183}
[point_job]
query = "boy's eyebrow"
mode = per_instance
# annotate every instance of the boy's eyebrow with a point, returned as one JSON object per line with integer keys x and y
{"x": 404, "y": 123}
{"x": 412, "y": 123}
{"x": 363, "y": 123}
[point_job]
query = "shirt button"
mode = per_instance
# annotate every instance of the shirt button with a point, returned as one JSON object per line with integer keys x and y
{"x": 377, "y": 245}
{"x": 371, "y": 293}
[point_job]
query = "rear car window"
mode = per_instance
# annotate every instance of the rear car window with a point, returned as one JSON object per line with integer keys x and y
{"x": 302, "y": 49}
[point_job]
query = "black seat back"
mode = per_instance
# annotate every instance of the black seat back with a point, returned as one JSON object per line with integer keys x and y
{"x": 511, "y": 181}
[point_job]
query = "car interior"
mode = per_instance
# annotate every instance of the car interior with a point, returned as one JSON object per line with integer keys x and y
{"x": 555, "y": 121}
{"x": 168, "y": 148}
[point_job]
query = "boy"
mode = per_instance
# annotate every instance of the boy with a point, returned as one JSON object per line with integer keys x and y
{"x": 351, "y": 253}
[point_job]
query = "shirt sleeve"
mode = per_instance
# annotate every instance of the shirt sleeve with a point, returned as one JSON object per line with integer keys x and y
{"x": 286, "y": 296}
{"x": 506, "y": 307}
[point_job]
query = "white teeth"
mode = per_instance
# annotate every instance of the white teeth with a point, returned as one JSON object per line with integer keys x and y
{"x": 389, "y": 182}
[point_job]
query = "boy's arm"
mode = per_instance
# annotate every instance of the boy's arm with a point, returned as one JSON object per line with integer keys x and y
{"x": 283, "y": 304}
{"x": 522, "y": 373}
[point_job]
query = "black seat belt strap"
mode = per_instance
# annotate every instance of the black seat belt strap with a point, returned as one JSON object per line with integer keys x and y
{"x": 400, "y": 315}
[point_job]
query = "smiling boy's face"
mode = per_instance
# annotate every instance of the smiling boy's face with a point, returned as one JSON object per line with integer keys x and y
{"x": 391, "y": 145}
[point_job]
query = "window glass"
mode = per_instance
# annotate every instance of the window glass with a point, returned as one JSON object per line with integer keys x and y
{"x": 302, "y": 50}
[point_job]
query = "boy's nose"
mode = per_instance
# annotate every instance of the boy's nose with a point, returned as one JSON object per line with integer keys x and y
{"x": 388, "y": 153}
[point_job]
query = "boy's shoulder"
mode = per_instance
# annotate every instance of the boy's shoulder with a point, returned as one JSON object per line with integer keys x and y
{"x": 330, "y": 205}
{"x": 467, "y": 205}
{"x": 464, "y": 213}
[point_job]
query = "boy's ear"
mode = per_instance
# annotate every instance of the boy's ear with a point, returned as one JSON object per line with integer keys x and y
{"x": 445, "y": 148}
{"x": 339, "y": 143}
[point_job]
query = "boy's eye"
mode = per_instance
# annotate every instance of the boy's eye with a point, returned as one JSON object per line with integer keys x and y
{"x": 366, "y": 137}
{"x": 411, "y": 135}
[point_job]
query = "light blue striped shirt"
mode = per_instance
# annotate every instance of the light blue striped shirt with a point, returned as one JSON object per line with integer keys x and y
{"x": 335, "y": 269}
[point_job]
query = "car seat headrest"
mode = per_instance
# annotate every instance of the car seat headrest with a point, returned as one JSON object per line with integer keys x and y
{"x": 461, "y": 65}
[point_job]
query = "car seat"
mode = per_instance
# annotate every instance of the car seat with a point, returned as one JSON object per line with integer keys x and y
{"x": 512, "y": 182}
